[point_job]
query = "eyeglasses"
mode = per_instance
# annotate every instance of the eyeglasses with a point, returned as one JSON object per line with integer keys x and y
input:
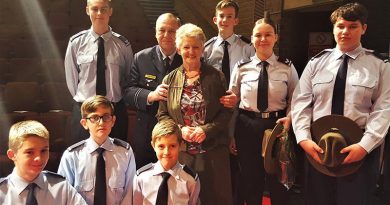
{"x": 96, "y": 118}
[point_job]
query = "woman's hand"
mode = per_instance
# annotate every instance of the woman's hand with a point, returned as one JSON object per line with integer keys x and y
{"x": 186, "y": 132}
{"x": 198, "y": 135}
{"x": 286, "y": 121}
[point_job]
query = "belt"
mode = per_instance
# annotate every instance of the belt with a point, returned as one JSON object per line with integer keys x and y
{"x": 264, "y": 115}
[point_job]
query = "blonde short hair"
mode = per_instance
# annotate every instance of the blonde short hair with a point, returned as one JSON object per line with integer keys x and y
{"x": 165, "y": 128}
{"x": 108, "y": 1}
{"x": 91, "y": 104}
{"x": 21, "y": 130}
{"x": 189, "y": 30}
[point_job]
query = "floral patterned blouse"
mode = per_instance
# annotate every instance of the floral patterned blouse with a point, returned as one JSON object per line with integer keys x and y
{"x": 192, "y": 104}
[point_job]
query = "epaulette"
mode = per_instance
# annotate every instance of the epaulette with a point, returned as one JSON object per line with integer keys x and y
{"x": 191, "y": 172}
{"x": 78, "y": 35}
{"x": 285, "y": 61}
{"x": 243, "y": 62}
{"x": 3, "y": 179}
{"x": 121, "y": 143}
{"x": 122, "y": 38}
{"x": 144, "y": 168}
{"x": 71, "y": 148}
{"x": 53, "y": 174}
{"x": 380, "y": 56}
{"x": 321, "y": 53}
{"x": 210, "y": 41}
{"x": 245, "y": 39}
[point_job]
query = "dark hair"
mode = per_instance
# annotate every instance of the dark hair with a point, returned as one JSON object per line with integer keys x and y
{"x": 266, "y": 20}
{"x": 350, "y": 12}
{"x": 228, "y": 3}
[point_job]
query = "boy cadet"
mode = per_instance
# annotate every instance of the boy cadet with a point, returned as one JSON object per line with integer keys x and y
{"x": 352, "y": 81}
{"x": 145, "y": 89}
{"x": 28, "y": 184}
{"x": 177, "y": 183}
{"x": 100, "y": 168}
{"x": 97, "y": 62}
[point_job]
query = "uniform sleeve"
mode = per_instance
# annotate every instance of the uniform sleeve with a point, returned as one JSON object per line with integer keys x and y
{"x": 194, "y": 193}
{"x": 378, "y": 120}
{"x": 292, "y": 83}
{"x": 301, "y": 105}
{"x": 130, "y": 173}
{"x": 129, "y": 58}
{"x": 138, "y": 198}
{"x": 65, "y": 168}
{"x": 234, "y": 84}
{"x": 162, "y": 113}
{"x": 71, "y": 68}
{"x": 136, "y": 96}
{"x": 73, "y": 197}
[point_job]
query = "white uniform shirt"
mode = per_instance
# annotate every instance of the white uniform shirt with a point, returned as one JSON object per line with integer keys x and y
{"x": 183, "y": 189}
{"x": 282, "y": 80}
{"x": 367, "y": 94}
{"x": 238, "y": 50}
{"x": 81, "y": 60}
{"x": 51, "y": 189}
{"x": 78, "y": 165}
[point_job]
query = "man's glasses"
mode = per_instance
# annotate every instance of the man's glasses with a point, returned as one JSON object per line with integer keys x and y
{"x": 96, "y": 118}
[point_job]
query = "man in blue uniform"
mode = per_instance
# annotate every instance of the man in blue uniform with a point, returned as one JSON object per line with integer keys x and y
{"x": 145, "y": 91}
{"x": 97, "y": 62}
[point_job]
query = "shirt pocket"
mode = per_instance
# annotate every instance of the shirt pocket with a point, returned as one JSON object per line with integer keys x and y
{"x": 85, "y": 186}
{"x": 84, "y": 60}
{"x": 117, "y": 186}
{"x": 321, "y": 85}
{"x": 249, "y": 87}
{"x": 362, "y": 90}
{"x": 278, "y": 85}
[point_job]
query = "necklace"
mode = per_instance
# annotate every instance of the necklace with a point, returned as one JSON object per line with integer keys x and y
{"x": 191, "y": 77}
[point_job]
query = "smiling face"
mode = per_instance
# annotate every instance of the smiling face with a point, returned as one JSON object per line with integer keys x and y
{"x": 191, "y": 50}
{"x": 31, "y": 157}
{"x": 99, "y": 130}
{"x": 264, "y": 39}
{"x": 166, "y": 27}
{"x": 347, "y": 34}
{"x": 167, "y": 150}
{"x": 99, "y": 11}
{"x": 226, "y": 19}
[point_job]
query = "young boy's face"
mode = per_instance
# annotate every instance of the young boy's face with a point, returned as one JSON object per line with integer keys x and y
{"x": 31, "y": 157}
{"x": 347, "y": 34}
{"x": 226, "y": 19}
{"x": 99, "y": 124}
{"x": 99, "y": 11}
{"x": 167, "y": 150}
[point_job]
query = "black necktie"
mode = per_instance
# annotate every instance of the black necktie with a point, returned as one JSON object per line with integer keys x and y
{"x": 166, "y": 64}
{"x": 262, "y": 88}
{"x": 31, "y": 200}
{"x": 100, "y": 181}
{"x": 162, "y": 194}
{"x": 339, "y": 87}
{"x": 226, "y": 62}
{"x": 101, "y": 69}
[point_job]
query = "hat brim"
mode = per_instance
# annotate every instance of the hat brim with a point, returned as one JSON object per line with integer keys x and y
{"x": 270, "y": 162}
{"x": 351, "y": 133}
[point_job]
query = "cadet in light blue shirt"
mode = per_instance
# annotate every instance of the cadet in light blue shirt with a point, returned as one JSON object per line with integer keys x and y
{"x": 29, "y": 149}
{"x": 79, "y": 161}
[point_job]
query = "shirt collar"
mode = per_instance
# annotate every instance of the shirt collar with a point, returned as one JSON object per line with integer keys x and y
{"x": 20, "y": 184}
{"x": 158, "y": 169}
{"x": 105, "y": 36}
{"x": 230, "y": 40}
{"x": 163, "y": 56}
{"x": 271, "y": 60}
{"x": 352, "y": 54}
{"x": 91, "y": 145}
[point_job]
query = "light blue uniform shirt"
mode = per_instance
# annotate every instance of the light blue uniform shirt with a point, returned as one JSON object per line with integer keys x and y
{"x": 78, "y": 165}
{"x": 183, "y": 188}
{"x": 51, "y": 189}
{"x": 81, "y": 59}
{"x": 238, "y": 50}
{"x": 367, "y": 94}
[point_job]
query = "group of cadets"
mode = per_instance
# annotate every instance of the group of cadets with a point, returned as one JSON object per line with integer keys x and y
{"x": 103, "y": 76}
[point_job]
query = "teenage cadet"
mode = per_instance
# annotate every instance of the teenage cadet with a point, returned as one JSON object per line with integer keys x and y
{"x": 145, "y": 89}
{"x": 101, "y": 168}
{"x": 352, "y": 81}
{"x": 97, "y": 62}
{"x": 28, "y": 184}
{"x": 265, "y": 85}
{"x": 182, "y": 185}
